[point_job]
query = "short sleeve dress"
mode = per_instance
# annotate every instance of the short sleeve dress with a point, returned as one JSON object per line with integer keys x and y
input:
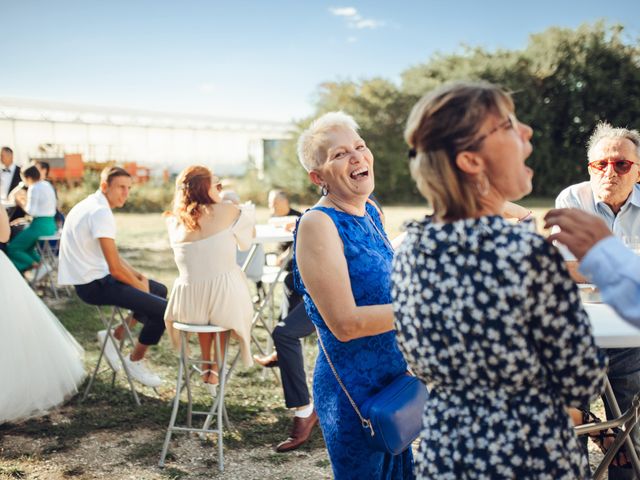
{"x": 489, "y": 318}
{"x": 211, "y": 288}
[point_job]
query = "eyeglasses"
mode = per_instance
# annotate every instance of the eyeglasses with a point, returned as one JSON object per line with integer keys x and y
{"x": 219, "y": 187}
{"x": 509, "y": 123}
{"x": 620, "y": 166}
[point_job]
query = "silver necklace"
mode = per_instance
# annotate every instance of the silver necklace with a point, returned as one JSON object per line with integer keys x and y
{"x": 368, "y": 218}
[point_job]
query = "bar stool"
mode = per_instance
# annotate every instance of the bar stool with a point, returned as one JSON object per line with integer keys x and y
{"x": 184, "y": 380}
{"x": 115, "y": 316}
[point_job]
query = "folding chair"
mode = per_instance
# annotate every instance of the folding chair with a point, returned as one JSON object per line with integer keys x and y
{"x": 118, "y": 345}
{"x": 626, "y": 422}
{"x": 184, "y": 380}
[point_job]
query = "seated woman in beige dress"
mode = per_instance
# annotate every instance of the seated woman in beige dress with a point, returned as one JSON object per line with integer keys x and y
{"x": 211, "y": 288}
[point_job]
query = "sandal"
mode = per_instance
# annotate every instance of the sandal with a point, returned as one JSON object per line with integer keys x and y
{"x": 211, "y": 387}
{"x": 605, "y": 438}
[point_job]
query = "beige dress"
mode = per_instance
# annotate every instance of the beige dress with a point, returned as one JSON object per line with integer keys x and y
{"x": 211, "y": 288}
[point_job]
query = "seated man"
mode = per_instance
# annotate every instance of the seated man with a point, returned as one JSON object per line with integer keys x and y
{"x": 293, "y": 326}
{"x": 10, "y": 185}
{"x": 89, "y": 260}
{"x": 612, "y": 193}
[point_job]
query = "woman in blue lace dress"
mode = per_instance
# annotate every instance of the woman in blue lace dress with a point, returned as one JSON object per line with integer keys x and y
{"x": 486, "y": 311}
{"x": 343, "y": 265}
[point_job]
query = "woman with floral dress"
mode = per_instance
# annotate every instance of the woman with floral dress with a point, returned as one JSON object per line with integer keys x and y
{"x": 486, "y": 312}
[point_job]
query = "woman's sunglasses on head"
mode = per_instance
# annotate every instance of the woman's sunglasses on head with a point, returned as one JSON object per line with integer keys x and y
{"x": 620, "y": 166}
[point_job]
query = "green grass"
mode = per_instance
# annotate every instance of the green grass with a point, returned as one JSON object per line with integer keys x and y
{"x": 254, "y": 399}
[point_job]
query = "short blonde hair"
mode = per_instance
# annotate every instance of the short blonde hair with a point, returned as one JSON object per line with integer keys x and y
{"x": 312, "y": 141}
{"x": 442, "y": 124}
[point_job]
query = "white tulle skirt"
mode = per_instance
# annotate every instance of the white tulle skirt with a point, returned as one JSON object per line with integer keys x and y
{"x": 40, "y": 362}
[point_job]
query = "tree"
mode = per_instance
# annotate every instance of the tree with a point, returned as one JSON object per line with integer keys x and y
{"x": 563, "y": 83}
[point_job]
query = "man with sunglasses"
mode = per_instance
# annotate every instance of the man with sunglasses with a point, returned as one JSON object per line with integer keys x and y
{"x": 613, "y": 194}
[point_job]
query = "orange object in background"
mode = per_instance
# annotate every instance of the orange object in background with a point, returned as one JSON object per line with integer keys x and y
{"x": 67, "y": 169}
{"x": 139, "y": 173}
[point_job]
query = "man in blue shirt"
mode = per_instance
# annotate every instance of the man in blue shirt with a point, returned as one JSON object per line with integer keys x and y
{"x": 612, "y": 193}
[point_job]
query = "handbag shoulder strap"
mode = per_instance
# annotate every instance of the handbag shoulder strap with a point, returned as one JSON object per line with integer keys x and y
{"x": 365, "y": 423}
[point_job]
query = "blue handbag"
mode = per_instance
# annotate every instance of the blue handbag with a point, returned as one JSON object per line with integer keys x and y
{"x": 392, "y": 417}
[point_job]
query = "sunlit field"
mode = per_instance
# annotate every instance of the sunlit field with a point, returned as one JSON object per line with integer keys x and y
{"x": 108, "y": 437}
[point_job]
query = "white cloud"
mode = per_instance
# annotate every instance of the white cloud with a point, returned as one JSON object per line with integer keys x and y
{"x": 352, "y": 39}
{"x": 367, "y": 23}
{"x": 354, "y": 19}
{"x": 344, "y": 11}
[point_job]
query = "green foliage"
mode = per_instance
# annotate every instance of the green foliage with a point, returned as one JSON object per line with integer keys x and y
{"x": 564, "y": 82}
{"x": 144, "y": 198}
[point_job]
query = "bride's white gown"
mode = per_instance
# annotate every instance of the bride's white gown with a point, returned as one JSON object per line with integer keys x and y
{"x": 40, "y": 362}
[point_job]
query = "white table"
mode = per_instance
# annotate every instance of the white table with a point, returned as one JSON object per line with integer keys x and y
{"x": 265, "y": 234}
{"x": 611, "y": 331}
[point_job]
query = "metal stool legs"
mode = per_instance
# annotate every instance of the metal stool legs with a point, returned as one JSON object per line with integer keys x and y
{"x": 183, "y": 380}
{"x": 627, "y": 421}
{"x": 118, "y": 347}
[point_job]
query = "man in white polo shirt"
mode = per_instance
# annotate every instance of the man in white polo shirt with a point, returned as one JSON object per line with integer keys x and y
{"x": 89, "y": 260}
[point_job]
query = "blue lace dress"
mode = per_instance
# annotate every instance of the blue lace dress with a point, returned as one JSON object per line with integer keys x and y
{"x": 366, "y": 364}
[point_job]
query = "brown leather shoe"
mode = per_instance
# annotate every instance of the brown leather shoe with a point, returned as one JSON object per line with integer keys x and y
{"x": 300, "y": 433}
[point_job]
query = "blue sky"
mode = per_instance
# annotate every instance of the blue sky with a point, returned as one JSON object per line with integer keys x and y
{"x": 252, "y": 59}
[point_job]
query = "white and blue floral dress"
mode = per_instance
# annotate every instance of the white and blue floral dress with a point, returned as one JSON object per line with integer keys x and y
{"x": 489, "y": 319}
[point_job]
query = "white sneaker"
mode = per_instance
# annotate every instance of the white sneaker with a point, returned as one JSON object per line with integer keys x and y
{"x": 109, "y": 351}
{"x": 139, "y": 372}
{"x": 42, "y": 270}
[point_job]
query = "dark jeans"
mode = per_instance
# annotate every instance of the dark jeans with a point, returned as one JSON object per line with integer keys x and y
{"x": 148, "y": 308}
{"x": 286, "y": 338}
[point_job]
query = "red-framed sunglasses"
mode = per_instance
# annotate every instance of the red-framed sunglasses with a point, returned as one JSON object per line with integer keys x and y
{"x": 219, "y": 187}
{"x": 620, "y": 166}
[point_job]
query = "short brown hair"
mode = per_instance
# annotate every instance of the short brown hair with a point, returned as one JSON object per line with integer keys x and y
{"x": 109, "y": 173}
{"x": 442, "y": 124}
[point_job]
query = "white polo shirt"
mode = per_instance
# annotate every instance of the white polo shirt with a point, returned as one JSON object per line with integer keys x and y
{"x": 81, "y": 259}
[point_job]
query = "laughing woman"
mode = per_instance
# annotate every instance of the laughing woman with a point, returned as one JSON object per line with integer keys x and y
{"x": 487, "y": 313}
{"x": 343, "y": 264}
